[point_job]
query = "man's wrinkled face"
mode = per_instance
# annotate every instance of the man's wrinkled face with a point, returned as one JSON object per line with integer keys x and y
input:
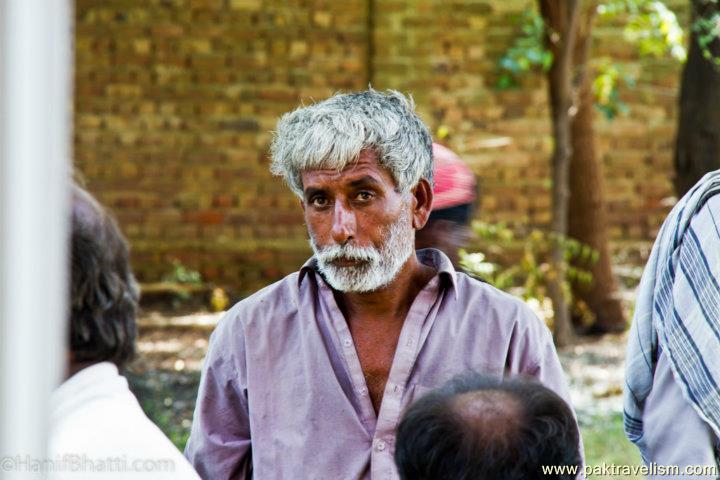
{"x": 359, "y": 224}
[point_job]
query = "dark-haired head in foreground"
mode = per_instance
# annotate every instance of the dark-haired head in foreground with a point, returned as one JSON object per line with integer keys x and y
{"x": 482, "y": 428}
{"x": 103, "y": 291}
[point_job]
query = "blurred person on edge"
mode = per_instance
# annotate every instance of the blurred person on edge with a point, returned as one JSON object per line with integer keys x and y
{"x": 308, "y": 377}
{"x": 98, "y": 430}
{"x": 672, "y": 365}
{"x": 454, "y": 199}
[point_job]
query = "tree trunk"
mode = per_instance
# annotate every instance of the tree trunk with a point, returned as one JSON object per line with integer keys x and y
{"x": 697, "y": 150}
{"x": 562, "y": 18}
{"x": 587, "y": 217}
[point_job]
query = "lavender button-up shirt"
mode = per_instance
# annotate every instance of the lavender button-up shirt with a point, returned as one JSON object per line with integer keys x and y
{"x": 283, "y": 395}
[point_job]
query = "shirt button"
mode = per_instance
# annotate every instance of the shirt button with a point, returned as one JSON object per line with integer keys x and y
{"x": 380, "y": 446}
{"x": 347, "y": 342}
{"x": 363, "y": 391}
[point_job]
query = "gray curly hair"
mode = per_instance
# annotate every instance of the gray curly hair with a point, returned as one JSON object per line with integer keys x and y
{"x": 332, "y": 133}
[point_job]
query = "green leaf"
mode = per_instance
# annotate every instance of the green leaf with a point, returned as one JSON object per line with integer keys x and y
{"x": 527, "y": 53}
{"x": 505, "y": 82}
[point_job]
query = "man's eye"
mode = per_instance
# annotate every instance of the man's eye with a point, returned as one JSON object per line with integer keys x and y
{"x": 319, "y": 201}
{"x": 364, "y": 196}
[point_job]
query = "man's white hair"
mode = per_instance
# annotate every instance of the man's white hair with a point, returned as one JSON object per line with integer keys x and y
{"x": 332, "y": 133}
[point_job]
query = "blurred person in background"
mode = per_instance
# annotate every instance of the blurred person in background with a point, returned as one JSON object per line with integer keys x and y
{"x": 479, "y": 427}
{"x": 98, "y": 429}
{"x": 454, "y": 201}
{"x": 672, "y": 366}
{"x": 308, "y": 377}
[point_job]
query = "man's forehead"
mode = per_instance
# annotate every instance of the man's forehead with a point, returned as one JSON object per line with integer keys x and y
{"x": 365, "y": 167}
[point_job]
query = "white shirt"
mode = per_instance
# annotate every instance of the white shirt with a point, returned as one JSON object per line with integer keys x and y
{"x": 98, "y": 431}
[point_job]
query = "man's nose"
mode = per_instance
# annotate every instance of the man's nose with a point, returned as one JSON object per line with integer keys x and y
{"x": 344, "y": 225}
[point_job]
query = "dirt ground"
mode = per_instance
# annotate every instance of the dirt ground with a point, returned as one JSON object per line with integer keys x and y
{"x": 595, "y": 368}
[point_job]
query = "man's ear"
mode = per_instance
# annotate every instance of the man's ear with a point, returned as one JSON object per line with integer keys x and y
{"x": 422, "y": 204}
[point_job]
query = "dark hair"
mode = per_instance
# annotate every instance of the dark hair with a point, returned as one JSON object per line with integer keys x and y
{"x": 460, "y": 214}
{"x": 482, "y": 428}
{"x": 103, "y": 293}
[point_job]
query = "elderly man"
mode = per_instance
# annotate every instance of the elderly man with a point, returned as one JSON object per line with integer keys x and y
{"x": 672, "y": 372}
{"x": 308, "y": 377}
{"x": 478, "y": 427}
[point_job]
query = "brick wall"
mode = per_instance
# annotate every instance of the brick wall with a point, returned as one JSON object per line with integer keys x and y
{"x": 175, "y": 100}
{"x": 447, "y": 55}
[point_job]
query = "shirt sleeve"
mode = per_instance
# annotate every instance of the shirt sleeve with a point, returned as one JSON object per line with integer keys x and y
{"x": 673, "y": 432}
{"x": 548, "y": 370}
{"x": 535, "y": 356}
{"x": 538, "y": 359}
{"x": 219, "y": 443}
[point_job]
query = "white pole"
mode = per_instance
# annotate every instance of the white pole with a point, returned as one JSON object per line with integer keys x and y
{"x": 35, "y": 127}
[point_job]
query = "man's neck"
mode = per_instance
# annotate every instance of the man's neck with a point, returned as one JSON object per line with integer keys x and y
{"x": 392, "y": 301}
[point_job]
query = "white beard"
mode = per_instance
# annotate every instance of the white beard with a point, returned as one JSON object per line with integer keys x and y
{"x": 377, "y": 267}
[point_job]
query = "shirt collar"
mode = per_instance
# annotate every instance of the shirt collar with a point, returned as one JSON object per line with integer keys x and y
{"x": 427, "y": 256}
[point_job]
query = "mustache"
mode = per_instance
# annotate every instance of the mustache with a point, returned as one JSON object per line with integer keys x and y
{"x": 333, "y": 253}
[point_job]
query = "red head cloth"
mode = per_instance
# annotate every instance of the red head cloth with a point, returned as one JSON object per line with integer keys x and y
{"x": 454, "y": 181}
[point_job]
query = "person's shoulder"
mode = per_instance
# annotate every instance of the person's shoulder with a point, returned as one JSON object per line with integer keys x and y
{"x": 710, "y": 208}
{"x": 474, "y": 291}
{"x": 281, "y": 294}
{"x": 273, "y": 301}
{"x": 126, "y": 433}
{"x": 497, "y": 306}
